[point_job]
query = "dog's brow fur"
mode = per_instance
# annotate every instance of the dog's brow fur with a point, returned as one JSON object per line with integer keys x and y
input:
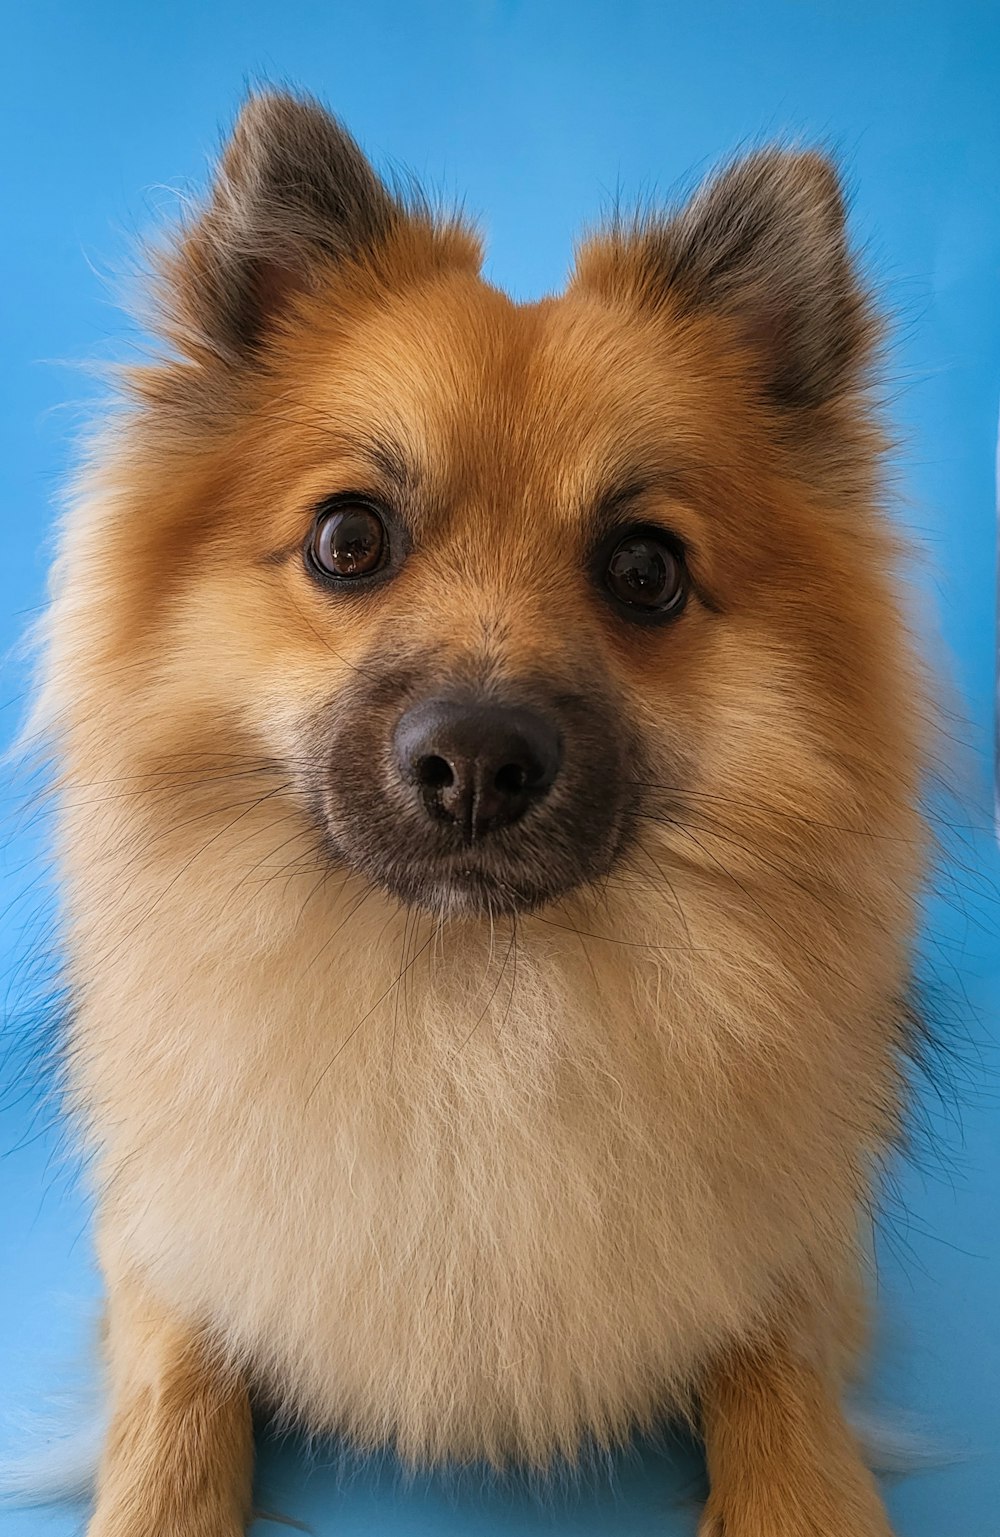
{"x": 390, "y": 460}
{"x": 488, "y": 1183}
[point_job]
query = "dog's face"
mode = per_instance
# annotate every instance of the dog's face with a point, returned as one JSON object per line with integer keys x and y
{"x": 472, "y": 520}
{"x": 499, "y": 588}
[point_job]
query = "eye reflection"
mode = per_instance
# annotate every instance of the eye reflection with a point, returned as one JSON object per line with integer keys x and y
{"x": 646, "y": 574}
{"x": 349, "y": 541}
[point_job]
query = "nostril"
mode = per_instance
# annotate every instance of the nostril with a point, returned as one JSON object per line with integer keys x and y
{"x": 435, "y": 773}
{"x": 511, "y": 779}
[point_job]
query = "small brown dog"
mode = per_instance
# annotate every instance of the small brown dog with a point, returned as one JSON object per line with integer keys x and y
{"x": 491, "y": 753}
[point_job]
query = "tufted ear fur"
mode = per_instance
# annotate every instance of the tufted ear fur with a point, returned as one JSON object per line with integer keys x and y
{"x": 293, "y": 191}
{"x": 764, "y": 244}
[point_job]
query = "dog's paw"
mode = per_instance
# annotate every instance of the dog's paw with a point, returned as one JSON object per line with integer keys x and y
{"x": 775, "y": 1518}
{"x": 163, "y": 1523}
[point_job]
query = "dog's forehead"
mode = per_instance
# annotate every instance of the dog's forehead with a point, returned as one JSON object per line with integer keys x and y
{"x": 471, "y": 391}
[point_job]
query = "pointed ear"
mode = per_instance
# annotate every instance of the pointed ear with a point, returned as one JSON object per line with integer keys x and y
{"x": 293, "y": 192}
{"x": 765, "y": 244}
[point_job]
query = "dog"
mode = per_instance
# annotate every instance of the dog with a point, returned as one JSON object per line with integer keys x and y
{"x": 490, "y": 752}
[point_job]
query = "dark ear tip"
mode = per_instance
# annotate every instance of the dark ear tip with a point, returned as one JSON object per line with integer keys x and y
{"x": 819, "y": 173}
{"x": 262, "y": 119}
{"x": 269, "y": 107}
{"x": 809, "y": 177}
{"x": 273, "y": 120}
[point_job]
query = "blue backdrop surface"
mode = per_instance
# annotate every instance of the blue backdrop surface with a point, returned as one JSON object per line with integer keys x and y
{"x": 538, "y": 115}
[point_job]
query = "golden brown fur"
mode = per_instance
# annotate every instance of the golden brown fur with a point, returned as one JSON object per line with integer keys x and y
{"x": 483, "y": 1188}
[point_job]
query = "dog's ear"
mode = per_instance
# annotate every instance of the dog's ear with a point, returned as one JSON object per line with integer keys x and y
{"x": 764, "y": 244}
{"x": 293, "y": 192}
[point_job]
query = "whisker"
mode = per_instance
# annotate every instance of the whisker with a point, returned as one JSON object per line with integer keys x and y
{"x": 367, "y": 1015}
{"x": 489, "y": 1002}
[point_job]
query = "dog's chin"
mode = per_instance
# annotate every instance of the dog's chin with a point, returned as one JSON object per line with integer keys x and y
{"x": 456, "y": 890}
{"x": 456, "y": 886}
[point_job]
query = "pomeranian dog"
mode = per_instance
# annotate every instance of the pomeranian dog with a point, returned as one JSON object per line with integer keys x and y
{"x": 490, "y": 757}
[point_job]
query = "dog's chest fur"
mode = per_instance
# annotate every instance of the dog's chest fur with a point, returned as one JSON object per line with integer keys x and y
{"x": 506, "y": 1200}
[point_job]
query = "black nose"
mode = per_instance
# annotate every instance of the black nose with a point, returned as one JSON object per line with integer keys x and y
{"x": 477, "y": 764}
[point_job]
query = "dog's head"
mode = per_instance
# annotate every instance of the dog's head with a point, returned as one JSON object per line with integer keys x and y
{"x": 500, "y": 588}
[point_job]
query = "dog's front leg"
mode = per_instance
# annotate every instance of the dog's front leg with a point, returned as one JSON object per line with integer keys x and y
{"x": 178, "y": 1460}
{"x": 782, "y": 1461}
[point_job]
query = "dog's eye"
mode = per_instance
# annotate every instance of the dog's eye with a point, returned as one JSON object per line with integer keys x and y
{"x": 349, "y": 541}
{"x": 645, "y": 573}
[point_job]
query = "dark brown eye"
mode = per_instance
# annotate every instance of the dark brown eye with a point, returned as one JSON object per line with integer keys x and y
{"x": 647, "y": 575}
{"x": 349, "y": 541}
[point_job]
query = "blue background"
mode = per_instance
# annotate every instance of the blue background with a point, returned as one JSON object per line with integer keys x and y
{"x": 537, "y": 115}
